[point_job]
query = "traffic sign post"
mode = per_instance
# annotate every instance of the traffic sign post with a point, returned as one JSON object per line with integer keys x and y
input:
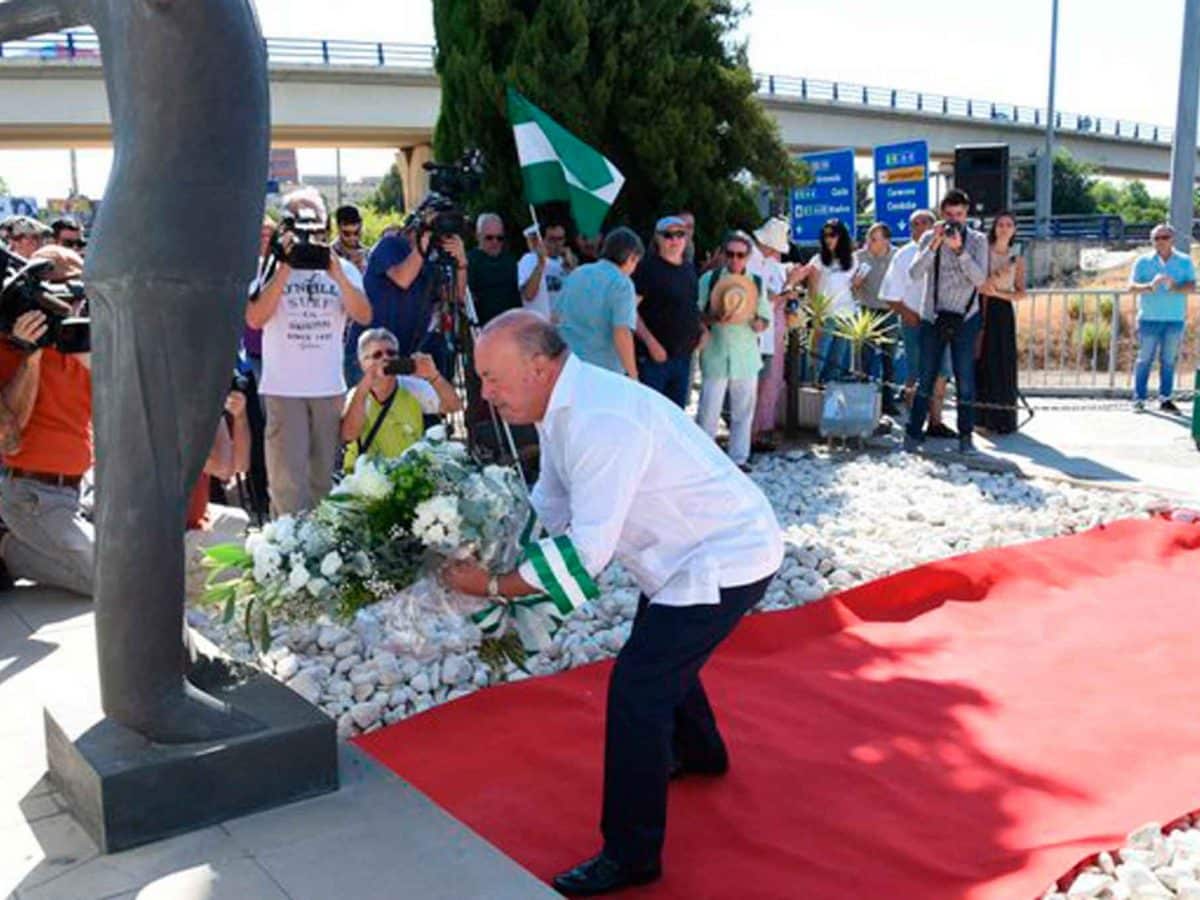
{"x": 829, "y": 196}
{"x": 901, "y": 183}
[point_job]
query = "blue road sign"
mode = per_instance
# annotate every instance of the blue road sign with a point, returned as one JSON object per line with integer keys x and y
{"x": 901, "y": 183}
{"x": 829, "y": 196}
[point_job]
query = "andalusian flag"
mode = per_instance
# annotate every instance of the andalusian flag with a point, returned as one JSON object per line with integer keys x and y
{"x": 557, "y": 166}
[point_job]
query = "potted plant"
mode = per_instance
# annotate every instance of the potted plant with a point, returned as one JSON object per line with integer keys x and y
{"x": 852, "y": 408}
{"x": 807, "y": 323}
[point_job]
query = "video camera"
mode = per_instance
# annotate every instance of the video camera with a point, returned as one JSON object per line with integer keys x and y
{"x": 307, "y": 252}
{"x": 25, "y": 289}
{"x": 441, "y": 214}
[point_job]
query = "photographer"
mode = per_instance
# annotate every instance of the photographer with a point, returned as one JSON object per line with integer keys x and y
{"x": 953, "y": 259}
{"x": 385, "y": 412}
{"x": 50, "y": 396}
{"x": 302, "y": 312}
{"x": 402, "y": 290}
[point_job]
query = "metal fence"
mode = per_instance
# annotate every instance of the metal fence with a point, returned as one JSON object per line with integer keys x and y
{"x": 1088, "y": 339}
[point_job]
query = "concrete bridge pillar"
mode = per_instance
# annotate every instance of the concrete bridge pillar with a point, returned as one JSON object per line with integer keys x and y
{"x": 411, "y": 163}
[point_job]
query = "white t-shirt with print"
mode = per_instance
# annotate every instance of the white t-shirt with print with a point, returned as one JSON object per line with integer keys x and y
{"x": 835, "y": 283}
{"x": 552, "y": 282}
{"x": 303, "y": 340}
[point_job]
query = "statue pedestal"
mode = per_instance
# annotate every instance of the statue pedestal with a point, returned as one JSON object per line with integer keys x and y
{"x": 126, "y": 791}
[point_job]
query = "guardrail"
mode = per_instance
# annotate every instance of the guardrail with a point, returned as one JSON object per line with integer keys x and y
{"x": 81, "y": 43}
{"x": 1088, "y": 339}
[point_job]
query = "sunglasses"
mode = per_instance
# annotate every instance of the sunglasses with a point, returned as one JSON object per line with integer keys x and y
{"x": 384, "y": 354}
{"x": 736, "y": 254}
{"x": 74, "y": 245}
{"x": 1162, "y": 237}
{"x": 493, "y": 237}
{"x": 674, "y": 235}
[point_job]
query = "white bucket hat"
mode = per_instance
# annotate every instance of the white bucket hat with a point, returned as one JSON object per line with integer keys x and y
{"x": 774, "y": 234}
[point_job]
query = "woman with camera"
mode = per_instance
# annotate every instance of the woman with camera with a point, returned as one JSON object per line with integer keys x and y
{"x": 996, "y": 366}
{"x": 384, "y": 413}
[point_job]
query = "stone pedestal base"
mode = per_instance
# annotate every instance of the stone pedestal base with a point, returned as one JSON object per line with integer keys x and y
{"x": 126, "y": 791}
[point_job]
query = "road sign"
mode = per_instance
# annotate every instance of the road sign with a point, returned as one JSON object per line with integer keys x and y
{"x": 829, "y": 196}
{"x": 901, "y": 183}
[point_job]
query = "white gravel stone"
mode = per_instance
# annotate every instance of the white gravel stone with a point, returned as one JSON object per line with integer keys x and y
{"x": 331, "y": 635}
{"x": 346, "y": 648}
{"x": 307, "y": 686}
{"x": 286, "y": 667}
{"x": 366, "y": 714}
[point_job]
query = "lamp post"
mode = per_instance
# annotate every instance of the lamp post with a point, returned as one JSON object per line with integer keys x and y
{"x": 1044, "y": 194}
{"x": 1183, "y": 146}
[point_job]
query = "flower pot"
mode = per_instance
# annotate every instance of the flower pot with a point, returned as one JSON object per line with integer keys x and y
{"x": 850, "y": 409}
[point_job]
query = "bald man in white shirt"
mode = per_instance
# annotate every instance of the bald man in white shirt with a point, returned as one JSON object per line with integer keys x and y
{"x": 626, "y": 475}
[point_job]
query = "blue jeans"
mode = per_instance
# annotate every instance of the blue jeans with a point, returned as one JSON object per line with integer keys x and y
{"x": 833, "y": 354}
{"x": 669, "y": 378}
{"x": 879, "y": 360}
{"x": 1156, "y": 339}
{"x": 962, "y": 358}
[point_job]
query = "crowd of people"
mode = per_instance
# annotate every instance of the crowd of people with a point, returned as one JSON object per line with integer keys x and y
{"x": 358, "y": 356}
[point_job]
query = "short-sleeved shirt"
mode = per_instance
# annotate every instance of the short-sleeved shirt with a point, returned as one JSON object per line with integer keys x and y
{"x": 898, "y": 285}
{"x": 835, "y": 283}
{"x": 405, "y": 312}
{"x": 774, "y": 277}
{"x": 668, "y": 306}
{"x": 493, "y": 284}
{"x": 553, "y": 279}
{"x": 57, "y": 439}
{"x": 302, "y": 341}
{"x": 732, "y": 350}
{"x": 1161, "y": 305}
{"x": 404, "y": 425}
{"x": 597, "y": 298}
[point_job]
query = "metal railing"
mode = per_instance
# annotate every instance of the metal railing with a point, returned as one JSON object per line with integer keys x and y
{"x": 81, "y": 43}
{"x": 1088, "y": 339}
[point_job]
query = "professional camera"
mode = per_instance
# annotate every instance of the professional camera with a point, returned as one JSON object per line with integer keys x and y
{"x": 441, "y": 215}
{"x": 306, "y": 252}
{"x": 957, "y": 228}
{"x": 24, "y": 290}
{"x": 399, "y": 365}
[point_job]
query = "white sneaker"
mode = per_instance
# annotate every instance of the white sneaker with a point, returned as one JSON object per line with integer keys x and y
{"x": 1139, "y": 406}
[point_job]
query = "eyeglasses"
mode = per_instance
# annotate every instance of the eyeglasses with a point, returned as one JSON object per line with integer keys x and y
{"x": 674, "y": 235}
{"x": 493, "y": 237}
{"x": 383, "y": 354}
{"x": 1162, "y": 237}
{"x": 736, "y": 254}
{"x": 74, "y": 245}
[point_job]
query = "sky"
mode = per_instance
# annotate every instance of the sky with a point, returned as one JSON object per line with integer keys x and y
{"x": 1110, "y": 63}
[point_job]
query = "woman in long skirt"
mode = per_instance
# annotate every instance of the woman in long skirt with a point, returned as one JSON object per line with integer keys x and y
{"x": 996, "y": 366}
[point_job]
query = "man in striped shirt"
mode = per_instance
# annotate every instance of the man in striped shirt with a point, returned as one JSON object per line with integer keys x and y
{"x": 626, "y": 475}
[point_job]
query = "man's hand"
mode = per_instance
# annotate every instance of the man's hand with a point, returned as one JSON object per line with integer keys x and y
{"x": 539, "y": 247}
{"x": 30, "y": 328}
{"x": 657, "y": 351}
{"x": 939, "y": 235}
{"x": 909, "y": 317}
{"x": 954, "y": 241}
{"x": 1162, "y": 279}
{"x": 454, "y": 246}
{"x": 465, "y": 577}
{"x": 423, "y": 367}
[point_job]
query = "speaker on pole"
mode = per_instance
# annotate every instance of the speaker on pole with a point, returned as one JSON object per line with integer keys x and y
{"x": 982, "y": 171}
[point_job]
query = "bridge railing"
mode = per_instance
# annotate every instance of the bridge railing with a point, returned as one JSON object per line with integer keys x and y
{"x": 81, "y": 43}
{"x": 854, "y": 94}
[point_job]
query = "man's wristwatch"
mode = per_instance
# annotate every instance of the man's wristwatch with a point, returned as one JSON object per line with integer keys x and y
{"x": 493, "y": 588}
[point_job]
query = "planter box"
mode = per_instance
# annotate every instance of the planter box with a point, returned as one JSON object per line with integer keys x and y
{"x": 809, "y": 400}
{"x": 851, "y": 409}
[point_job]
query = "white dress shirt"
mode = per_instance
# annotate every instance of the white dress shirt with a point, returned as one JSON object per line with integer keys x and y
{"x": 898, "y": 285}
{"x": 626, "y": 474}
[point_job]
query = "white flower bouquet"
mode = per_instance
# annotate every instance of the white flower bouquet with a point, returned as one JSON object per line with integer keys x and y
{"x": 380, "y": 536}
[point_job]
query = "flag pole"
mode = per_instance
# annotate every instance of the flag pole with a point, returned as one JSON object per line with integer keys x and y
{"x": 537, "y": 226}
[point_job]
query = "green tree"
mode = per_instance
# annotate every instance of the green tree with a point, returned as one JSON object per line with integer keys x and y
{"x": 389, "y": 196}
{"x": 1131, "y": 201}
{"x": 1073, "y": 185}
{"x": 659, "y": 86}
{"x": 864, "y": 196}
{"x": 3, "y": 187}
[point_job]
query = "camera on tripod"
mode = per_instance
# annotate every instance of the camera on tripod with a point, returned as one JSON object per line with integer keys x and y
{"x": 25, "y": 289}
{"x": 307, "y": 251}
{"x": 441, "y": 215}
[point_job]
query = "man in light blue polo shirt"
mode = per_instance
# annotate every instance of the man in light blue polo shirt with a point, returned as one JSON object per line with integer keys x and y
{"x": 596, "y": 311}
{"x": 1162, "y": 280}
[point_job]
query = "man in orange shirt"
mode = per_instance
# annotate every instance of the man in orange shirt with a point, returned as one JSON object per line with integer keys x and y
{"x": 49, "y": 395}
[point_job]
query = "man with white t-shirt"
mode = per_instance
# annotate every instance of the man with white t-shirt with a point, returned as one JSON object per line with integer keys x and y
{"x": 540, "y": 272}
{"x": 302, "y": 313}
{"x": 904, "y": 295}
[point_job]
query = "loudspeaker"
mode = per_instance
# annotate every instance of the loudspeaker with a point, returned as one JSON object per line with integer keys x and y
{"x": 982, "y": 171}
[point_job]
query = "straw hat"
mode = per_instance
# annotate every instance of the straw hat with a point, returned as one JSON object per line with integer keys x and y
{"x": 774, "y": 234}
{"x": 734, "y": 300}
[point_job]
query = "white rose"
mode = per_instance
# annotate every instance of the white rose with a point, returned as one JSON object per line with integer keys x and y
{"x": 331, "y": 564}
{"x": 254, "y": 540}
{"x": 298, "y": 578}
{"x": 316, "y": 585}
{"x": 436, "y": 434}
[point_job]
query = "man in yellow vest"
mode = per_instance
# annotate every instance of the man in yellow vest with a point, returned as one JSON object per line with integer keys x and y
{"x": 384, "y": 413}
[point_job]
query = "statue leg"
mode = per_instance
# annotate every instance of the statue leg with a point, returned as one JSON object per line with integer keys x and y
{"x": 162, "y": 363}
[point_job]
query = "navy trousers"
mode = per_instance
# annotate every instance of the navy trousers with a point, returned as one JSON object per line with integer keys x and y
{"x": 658, "y": 713}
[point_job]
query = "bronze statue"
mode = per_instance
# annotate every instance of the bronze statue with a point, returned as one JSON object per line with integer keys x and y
{"x": 172, "y": 253}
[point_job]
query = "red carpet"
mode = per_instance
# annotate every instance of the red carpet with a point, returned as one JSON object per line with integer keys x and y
{"x": 970, "y": 728}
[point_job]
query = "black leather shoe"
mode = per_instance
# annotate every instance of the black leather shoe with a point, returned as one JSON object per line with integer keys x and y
{"x": 602, "y": 874}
